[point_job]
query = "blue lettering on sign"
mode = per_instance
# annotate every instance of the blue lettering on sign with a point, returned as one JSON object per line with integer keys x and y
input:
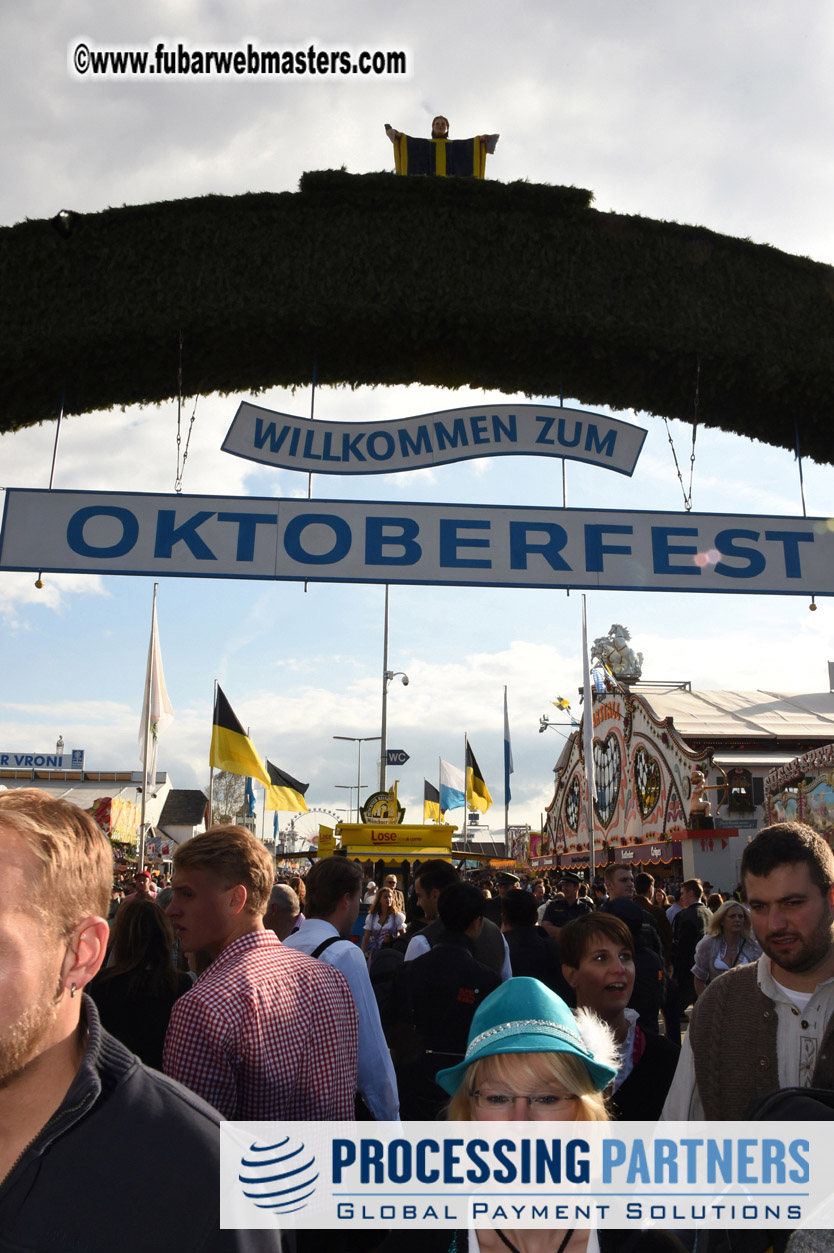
{"x": 451, "y": 439}
{"x": 350, "y": 447}
{"x": 167, "y": 534}
{"x": 326, "y": 454}
{"x": 499, "y": 429}
{"x": 247, "y": 525}
{"x": 265, "y": 432}
{"x": 309, "y": 436}
{"x": 341, "y": 539}
{"x": 790, "y": 541}
{"x": 548, "y": 548}
{"x": 388, "y": 445}
{"x": 421, "y": 444}
{"x": 541, "y": 438}
{"x": 595, "y": 549}
{"x": 726, "y": 545}
{"x": 662, "y": 550}
{"x": 451, "y": 541}
{"x": 376, "y": 540}
{"x": 593, "y": 443}
{"x": 478, "y": 427}
{"x": 75, "y": 531}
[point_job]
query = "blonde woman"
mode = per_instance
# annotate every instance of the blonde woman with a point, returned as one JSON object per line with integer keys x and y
{"x": 382, "y": 925}
{"x": 728, "y": 943}
{"x": 528, "y": 1057}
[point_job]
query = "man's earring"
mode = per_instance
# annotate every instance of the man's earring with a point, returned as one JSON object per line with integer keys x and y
{"x": 73, "y": 989}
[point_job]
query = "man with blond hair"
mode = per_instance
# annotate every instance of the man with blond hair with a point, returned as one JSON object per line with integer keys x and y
{"x": 265, "y": 1033}
{"x": 69, "y": 1092}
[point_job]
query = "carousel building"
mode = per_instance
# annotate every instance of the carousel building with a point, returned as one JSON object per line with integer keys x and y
{"x": 680, "y": 774}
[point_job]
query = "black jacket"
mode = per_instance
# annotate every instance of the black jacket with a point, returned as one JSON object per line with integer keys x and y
{"x": 129, "y": 1161}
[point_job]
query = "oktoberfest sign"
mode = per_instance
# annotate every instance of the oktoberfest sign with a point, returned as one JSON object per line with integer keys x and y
{"x": 400, "y": 542}
{"x": 433, "y": 439}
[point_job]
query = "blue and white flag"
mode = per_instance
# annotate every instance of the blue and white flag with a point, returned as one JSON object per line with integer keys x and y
{"x": 508, "y": 753}
{"x": 452, "y": 787}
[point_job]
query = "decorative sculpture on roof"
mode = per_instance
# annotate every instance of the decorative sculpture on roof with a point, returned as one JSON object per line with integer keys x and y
{"x": 614, "y": 652}
{"x": 441, "y": 155}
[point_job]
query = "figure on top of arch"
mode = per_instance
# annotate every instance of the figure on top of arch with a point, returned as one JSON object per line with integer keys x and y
{"x": 440, "y": 155}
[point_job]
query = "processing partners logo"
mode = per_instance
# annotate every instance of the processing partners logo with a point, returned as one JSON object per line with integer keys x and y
{"x": 279, "y": 1177}
{"x": 538, "y": 1175}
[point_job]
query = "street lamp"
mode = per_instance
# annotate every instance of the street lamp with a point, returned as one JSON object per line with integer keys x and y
{"x": 358, "y": 740}
{"x": 351, "y": 787}
{"x": 387, "y": 677}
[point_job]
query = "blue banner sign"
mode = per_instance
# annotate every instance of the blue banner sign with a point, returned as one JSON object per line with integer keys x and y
{"x": 342, "y": 541}
{"x": 43, "y": 761}
{"x": 433, "y": 439}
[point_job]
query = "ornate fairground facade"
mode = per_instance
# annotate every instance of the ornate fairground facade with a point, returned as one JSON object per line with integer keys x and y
{"x": 642, "y": 771}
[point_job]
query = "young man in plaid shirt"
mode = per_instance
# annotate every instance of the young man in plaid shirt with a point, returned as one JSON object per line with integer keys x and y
{"x": 265, "y": 1033}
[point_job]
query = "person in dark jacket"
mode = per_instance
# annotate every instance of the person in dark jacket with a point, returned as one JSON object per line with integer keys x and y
{"x": 136, "y": 992}
{"x": 598, "y": 963}
{"x": 434, "y": 999}
{"x": 532, "y": 952}
{"x": 689, "y": 926}
{"x": 79, "y": 1114}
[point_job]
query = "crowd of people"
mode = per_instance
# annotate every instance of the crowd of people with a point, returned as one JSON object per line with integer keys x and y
{"x": 228, "y": 995}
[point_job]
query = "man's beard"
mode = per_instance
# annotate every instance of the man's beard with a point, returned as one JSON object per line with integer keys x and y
{"x": 811, "y": 951}
{"x": 19, "y": 1041}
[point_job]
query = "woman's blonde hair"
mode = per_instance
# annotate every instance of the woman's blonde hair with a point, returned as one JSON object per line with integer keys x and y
{"x": 529, "y": 1071}
{"x": 716, "y": 926}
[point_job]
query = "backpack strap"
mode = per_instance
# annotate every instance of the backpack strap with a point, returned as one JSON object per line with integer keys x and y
{"x": 332, "y": 939}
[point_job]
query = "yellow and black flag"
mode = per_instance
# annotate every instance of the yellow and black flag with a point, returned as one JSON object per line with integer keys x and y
{"x": 231, "y": 748}
{"x": 284, "y": 792}
{"x": 477, "y": 792}
{"x": 442, "y": 157}
{"x": 431, "y": 803}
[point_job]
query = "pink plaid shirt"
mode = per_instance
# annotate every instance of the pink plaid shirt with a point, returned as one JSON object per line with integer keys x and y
{"x": 266, "y": 1033}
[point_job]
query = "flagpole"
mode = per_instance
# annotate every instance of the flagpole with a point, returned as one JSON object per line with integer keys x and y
{"x": 588, "y": 738}
{"x": 146, "y": 737}
{"x": 211, "y": 767}
{"x": 465, "y": 791}
{"x": 508, "y": 755}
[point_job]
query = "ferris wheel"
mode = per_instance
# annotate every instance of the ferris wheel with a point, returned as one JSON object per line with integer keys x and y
{"x": 304, "y": 828}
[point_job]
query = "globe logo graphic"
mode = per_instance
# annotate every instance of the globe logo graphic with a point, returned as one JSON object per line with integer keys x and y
{"x": 279, "y": 1177}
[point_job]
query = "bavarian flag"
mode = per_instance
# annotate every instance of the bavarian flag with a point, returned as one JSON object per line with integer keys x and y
{"x": 440, "y": 157}
{"x": 431, "y": 803}
{"x": 284, "y": 792}
{"x": 231, "y": 748}
{"x": 477, "y": 792}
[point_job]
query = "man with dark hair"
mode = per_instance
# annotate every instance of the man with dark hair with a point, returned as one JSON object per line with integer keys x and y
{"x": 69, "y": 1092}
{"x": 264, "y": 1033}
{"x": 532, "y": 952}
{"x": 435, "y": 997}
{"x": 690, "y": 926}
{"x": 770, "y": 1024}
{"x": 331, "y": 907}
{"x": 562, "y": 910}
{"x": 489, "y": 946}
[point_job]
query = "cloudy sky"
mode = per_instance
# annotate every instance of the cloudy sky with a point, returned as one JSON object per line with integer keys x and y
{"x": 713, "y": 114}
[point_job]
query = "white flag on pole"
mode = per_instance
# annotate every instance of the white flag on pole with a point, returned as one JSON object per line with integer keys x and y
{"x": 157, "y": 710}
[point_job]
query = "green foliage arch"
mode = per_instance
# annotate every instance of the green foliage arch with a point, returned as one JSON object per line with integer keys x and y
{"x": 508, "y": 287}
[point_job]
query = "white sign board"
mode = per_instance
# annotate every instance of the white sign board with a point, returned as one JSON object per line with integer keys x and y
{"x": 400, "y": 542}
{"x": 433, "y": 439}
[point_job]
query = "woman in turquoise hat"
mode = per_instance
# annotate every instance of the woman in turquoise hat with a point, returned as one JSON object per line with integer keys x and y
{"x": 529, "y": 1057}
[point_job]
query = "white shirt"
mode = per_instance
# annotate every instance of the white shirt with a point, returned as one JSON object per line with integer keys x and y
{"x": 799, "y": 1035}
{"x": 418, "y": 945}
{"x": 375, "y": 1077}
